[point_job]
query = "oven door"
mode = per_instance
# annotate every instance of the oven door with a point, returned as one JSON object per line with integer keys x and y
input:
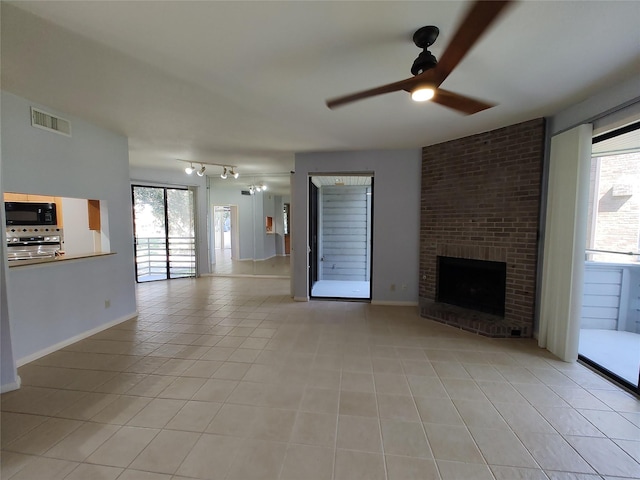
{"x": 29, "y": 251}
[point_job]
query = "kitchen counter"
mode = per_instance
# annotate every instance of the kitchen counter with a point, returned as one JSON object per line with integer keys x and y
{"x": 61, "y": 258}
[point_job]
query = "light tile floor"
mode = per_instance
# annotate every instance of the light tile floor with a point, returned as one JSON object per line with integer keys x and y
{"x": 278, "y": 266}
{"x": 227, "y": 378}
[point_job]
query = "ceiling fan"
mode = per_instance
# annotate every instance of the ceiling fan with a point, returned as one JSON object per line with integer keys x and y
{"x": 429, "y": 74}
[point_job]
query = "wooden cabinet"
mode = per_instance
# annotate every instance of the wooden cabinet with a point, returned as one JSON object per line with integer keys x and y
{"x": 93, "y": 207}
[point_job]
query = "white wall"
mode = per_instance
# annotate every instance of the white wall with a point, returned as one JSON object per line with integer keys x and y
{"x": 75, "y": 219}
{"x": 71, "y": 295}
{"x": 396, "y": 217}
{"x": 171, "y": 178}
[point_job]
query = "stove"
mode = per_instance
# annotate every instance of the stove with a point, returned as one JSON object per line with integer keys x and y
{"x": 32, "y": 243}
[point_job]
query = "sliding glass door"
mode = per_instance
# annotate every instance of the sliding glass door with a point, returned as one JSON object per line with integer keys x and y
{"x": 164, "y": 233}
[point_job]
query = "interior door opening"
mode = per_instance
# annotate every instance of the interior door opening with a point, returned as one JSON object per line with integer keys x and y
{"x": 340, "y": 236}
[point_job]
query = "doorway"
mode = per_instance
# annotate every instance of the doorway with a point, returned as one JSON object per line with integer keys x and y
{"x": 225, "y": 238}
{"x": 340, "y": 236}
{"x": 164, "y": 233}
{"x": 610, "y": 319}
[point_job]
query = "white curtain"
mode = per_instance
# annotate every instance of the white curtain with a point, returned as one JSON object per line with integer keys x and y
{"x": 565, "y": 241}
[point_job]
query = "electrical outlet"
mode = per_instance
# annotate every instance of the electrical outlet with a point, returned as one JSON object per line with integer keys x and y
{"x": 404, "y": 286}
{"x": 107, "y": 303}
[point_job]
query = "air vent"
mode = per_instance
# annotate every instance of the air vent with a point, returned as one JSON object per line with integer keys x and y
{"x": 46, "y": 121}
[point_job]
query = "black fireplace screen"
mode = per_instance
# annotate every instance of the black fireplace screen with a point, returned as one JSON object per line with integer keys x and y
{"x": 473, "y": 284}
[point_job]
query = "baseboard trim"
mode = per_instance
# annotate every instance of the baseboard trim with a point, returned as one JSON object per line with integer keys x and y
{"x": 9, "y": 387}
{"x": 65, "y": 343}
{"x": 300, "y": 299}
{"x": 394, "y": 303}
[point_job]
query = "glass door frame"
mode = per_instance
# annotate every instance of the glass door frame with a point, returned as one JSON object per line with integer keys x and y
{"x": 167, "y": 243}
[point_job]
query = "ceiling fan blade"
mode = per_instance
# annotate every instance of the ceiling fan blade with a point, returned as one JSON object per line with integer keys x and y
{"x": 476, "y": 22}
{"x": 390, "y": 87}
{"x": 407, "y": 85}
{"x": 460, "y": 103}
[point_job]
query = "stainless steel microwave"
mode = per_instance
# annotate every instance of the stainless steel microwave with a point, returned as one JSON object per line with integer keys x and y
{"x": 30, "y": 213}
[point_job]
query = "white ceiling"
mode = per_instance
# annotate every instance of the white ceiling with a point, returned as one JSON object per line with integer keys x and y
{"x": 244, "y": 83}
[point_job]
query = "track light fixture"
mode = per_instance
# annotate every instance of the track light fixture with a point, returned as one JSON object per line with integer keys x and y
{"x": 253, "y": 189}
{"x": 200, "y": 172}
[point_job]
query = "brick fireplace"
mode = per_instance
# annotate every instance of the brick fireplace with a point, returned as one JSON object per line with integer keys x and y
{"x": 480, "y": 201}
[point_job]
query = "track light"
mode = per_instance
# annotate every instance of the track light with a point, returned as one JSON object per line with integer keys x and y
{"x": 201, "y": 171}
{"x": 234, "y": 173}
{"x": 189, "y": 170}
{"x": 223, "y": 175}
{"x": 263, "y": 187}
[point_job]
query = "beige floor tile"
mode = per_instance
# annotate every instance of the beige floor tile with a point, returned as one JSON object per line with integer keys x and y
{"x": 315, "y": 429}
{"x": 463, "y": 389}
{"x": 202, "y": 369}
{"x": 463, "y": 471}
{"x": 450, "y": 370}
{"x": 235, "y": 420}
{"x": 453, "y": 443}
{"x": 352, "y": 465}
{"x": 523, "y": 418}
{"x": 540, "y": 395}
{"x": 86, "y": 471}
{"x": 194, "y": 416}
{"x": 397, "y": 407}
{"x": 131, "y": 474}
{"x": 120, "y": 383}
{"x": 358, "y": 403}
{"x": 12, "y": 462}
{"x": 359, "y": 433}
{"x": 418, "y": 367}
{"x": 257, "y": 460}
{"x": 231, "y": 371}
{"x": 211, "y": 457}
{"x": 387, "y": 365}
{"x": 166, "y": 452}
{"x": 157, "y": 413}
{"x": 244, "y": 355}
{"x": 438, "y": 410}
{"x": 617, "y": 399}
{"x": 357, "y": 382}
{"x": 261, "y": 373}
{"x": 501, "y": 392}
{"x": 407, "y": 468}
{"x": 390, "y": 383}
{"x": 174, "y": 366}
{"x": 517, "y": 473}
{"x": 426, "y": 386}
{"x": 283, "y": 395}
{"x": 307, "y": 462}
{"x": 404, "y": 438}
{"x": 82, "y": 442}
{"x": 605, "y": 456}
{"x": 214, "y": 390}
{"x": 121, "y": 410}
{"x": 15, "y": 425}
{"x": 321, "y": 400}
{"x": 552, "y": 452}
{"x": 151, "y": 386}
{"x": 218, "y": 353}
{"x": 479, "y": 413}
{"x": 273, "y": 424}
{"x": 183, "y": 388}
{"x": 631, "y": 447}
{"x": 123, "y": 447}
{"x": 502, "y": 447}
{"x": 44, "y": 436}
{"x": 357, "y": 364}
{"x": 568, "y": 421}
{"x": 248, "y": 393}
{"x": 612, "y": 424}
{"x": 45, "y": 468}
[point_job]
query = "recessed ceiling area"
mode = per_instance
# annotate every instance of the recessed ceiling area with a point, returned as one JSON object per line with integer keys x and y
{"x": 245, "y": 83}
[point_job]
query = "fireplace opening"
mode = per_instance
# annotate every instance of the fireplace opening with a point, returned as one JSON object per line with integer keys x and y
{"x": 474, "y": 284}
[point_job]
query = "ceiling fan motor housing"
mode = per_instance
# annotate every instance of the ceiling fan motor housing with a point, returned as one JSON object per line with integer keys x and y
{"x": 424, "y": 38}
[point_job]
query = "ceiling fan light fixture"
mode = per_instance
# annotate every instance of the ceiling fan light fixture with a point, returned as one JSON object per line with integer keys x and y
{"x": 422, "y": 94}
